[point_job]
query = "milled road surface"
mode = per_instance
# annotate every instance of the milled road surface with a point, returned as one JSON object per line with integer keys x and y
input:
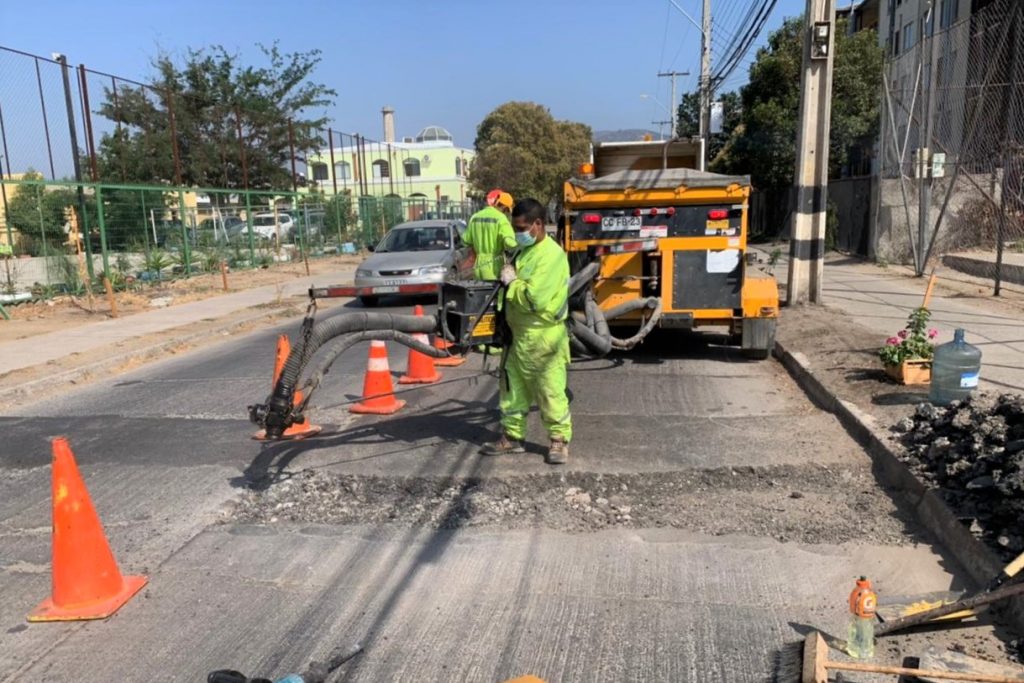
{"x": 708, "y": 513}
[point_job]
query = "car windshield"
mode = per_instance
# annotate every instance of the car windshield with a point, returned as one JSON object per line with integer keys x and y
{"x": 263, "y": 220}
{"x": 416, "y": 239}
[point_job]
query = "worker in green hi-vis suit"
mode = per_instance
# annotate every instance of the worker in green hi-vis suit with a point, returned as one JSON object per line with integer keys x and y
{"x": 489, "y": 235}
{"x": 537, "y": 361}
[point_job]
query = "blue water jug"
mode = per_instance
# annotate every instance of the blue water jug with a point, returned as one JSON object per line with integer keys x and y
{"x": 955, "y": 370}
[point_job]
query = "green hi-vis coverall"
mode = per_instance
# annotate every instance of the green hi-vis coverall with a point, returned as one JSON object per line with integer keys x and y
{"x": 490, "y": 234}
{"x": 536, "y": 364}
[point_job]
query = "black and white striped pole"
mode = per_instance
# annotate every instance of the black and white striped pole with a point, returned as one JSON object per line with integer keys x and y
{"x": 807, "y": 238}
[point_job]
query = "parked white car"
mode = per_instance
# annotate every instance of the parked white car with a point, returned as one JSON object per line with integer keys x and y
{"x": 271, "y": 226}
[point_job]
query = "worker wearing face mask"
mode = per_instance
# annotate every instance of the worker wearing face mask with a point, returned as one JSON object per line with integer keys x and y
{"x": 536, "y": 363}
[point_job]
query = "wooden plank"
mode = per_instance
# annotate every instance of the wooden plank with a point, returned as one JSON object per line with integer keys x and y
{"x": 948, "y": 660}
{"x": 815, "y": 659}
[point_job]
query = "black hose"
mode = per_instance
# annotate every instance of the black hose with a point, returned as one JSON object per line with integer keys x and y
{"x": 643, "y": 332}
{"x": 595, "y": 313}
{"x": 584, "y": 276}
{"x": 279, "y": 407}
{"x": 630, "y": 306}
{"x": 594, "y": 343}
{"x": 349, "y": 340}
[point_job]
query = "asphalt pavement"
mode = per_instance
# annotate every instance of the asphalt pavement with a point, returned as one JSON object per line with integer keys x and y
{"x": 166, "y": 449}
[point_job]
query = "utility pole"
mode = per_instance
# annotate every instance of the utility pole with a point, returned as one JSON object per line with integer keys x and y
{"x": 705, "y": 81}
{"x": 675, "y": 105}
{"x": 807, "y": 238}
{"x": 661, "y": 127}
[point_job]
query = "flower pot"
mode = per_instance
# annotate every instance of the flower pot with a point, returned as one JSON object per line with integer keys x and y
{"x": 916, "y": 371}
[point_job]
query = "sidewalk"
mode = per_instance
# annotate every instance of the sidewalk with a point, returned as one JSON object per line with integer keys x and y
{"x": 32, "y": 351}
{"x": 878, "y": 300}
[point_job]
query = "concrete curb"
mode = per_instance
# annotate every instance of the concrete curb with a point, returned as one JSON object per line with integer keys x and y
{"x": 74, "y": 375}
{"x": 930, "y": 510}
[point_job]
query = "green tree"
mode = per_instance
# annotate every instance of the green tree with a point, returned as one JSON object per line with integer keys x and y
{"x": 209, "y": 94}
{"x": 339, "y": 217}
{"x": 522, "y": 149}
{"x": 40, "y": 214}
{"x": 764, "y": 144}
{"x": 688, "y": 120}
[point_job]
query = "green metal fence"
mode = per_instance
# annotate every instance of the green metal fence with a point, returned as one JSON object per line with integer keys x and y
{"x": 77, "y": 231}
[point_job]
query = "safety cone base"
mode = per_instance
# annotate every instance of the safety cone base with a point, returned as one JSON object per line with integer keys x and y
{"x": 408, "y": 379}
{"x": 100, "y": 609}
{"x": 366, "y": 409}
{"x": 294, "y": 433}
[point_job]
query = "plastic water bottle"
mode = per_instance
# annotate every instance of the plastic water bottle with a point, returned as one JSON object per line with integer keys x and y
{"x": 860, "y": 638}
{"x": 955, "y": 370}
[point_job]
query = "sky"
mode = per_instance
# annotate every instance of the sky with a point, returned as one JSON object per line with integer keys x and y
{"x": 437, "y": 62}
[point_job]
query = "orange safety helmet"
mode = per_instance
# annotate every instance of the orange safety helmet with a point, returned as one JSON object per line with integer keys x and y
{"x": 492, "y": 197}
{"x": 504, "y": 200}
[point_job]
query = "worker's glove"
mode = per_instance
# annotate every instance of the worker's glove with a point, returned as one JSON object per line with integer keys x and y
{"x": 508, "y": 274}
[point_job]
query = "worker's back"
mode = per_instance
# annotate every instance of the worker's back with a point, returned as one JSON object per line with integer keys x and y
{"x": 489, "y": 234}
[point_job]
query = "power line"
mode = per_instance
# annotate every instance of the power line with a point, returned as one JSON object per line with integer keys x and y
{"x": 725, "y": 69}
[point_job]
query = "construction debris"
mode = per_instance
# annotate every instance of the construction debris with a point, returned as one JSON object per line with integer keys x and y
{"x": 973, "y": 452}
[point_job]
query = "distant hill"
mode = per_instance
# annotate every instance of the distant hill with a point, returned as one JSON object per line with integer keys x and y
{"x": 626, "y": 135}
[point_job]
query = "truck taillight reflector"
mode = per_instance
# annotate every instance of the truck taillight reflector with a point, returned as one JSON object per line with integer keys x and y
{"x": 717, "y": 214}
{"x": 591, "y": 218}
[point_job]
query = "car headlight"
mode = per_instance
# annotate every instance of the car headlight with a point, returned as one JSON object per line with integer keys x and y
{"x": 364, "y": 272}
{"x": 431, "y": 270}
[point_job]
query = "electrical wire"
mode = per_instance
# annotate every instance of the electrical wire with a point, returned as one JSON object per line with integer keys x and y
{"x": 726, "y": 69}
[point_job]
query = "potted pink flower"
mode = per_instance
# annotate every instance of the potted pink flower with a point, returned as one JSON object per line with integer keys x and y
{"x": 907, "y": 357}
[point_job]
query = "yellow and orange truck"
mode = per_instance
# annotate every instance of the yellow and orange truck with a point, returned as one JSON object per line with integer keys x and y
{"x": 670, "y": 242}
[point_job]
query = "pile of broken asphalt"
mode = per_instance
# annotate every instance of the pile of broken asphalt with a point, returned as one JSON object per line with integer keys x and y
{"x": 972, "y": 452}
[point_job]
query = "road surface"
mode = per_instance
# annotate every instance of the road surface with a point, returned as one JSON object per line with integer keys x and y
{"x": 708, "y": 514}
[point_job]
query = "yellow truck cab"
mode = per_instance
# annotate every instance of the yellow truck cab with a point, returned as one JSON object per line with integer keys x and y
{"x": 660, "y": 228}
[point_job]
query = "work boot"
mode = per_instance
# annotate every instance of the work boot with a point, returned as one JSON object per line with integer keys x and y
{"x": 504, "y": 446}
{"x": 558, "y": 453}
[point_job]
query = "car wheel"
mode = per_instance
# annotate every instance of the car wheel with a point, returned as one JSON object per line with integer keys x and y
{"x": 369, "y": 301}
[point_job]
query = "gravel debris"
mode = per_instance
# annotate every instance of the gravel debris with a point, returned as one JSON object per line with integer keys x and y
{"x": 972, "y": 452}
{"x": 834, "y": 505}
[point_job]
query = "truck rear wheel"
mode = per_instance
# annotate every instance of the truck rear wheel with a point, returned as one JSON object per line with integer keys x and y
{"x": 758, "y": 338}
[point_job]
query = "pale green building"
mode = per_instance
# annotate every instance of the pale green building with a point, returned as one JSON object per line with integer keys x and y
{"x": 428, "y": 168}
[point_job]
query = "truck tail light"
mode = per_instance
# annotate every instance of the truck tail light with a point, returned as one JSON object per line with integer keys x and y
{"x": 717, "y": 214}
{"x": 591, "y": 218}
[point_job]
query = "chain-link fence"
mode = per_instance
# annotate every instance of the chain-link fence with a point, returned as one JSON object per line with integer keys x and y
{"x": 110, "y": 171}
{"x": 950, "y": 185}
{"x": 65, "y": 234}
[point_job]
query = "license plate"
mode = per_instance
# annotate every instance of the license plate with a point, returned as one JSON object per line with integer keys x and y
{"x": 385, "y": 290}
{"x": 621, "y": 222}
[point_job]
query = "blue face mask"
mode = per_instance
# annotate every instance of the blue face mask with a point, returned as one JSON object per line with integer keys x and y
{"x": 525, "y": 239}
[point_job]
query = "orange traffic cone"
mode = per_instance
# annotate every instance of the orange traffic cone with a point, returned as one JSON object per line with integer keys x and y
{"x": 299, "y": 430}
{"x": 378, "y": 392}
{"x": 448, "y": 361}
{"x": 86, "y": 581}
{"x": 421, "y": 366}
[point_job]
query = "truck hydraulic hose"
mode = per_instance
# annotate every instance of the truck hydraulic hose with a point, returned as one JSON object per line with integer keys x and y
{"x": 275, "y": 413}
{"x": 345, "y": 342}
{"x": 595, "y": 344}
{"x": 599, "y": 317}
{"x": 630, "y": 306}
{"x": 584, "y": 276}
{"x": 643, "y": 332}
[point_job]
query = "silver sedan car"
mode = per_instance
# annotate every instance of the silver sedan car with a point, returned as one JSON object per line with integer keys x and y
{"x": 413, "y": 257}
